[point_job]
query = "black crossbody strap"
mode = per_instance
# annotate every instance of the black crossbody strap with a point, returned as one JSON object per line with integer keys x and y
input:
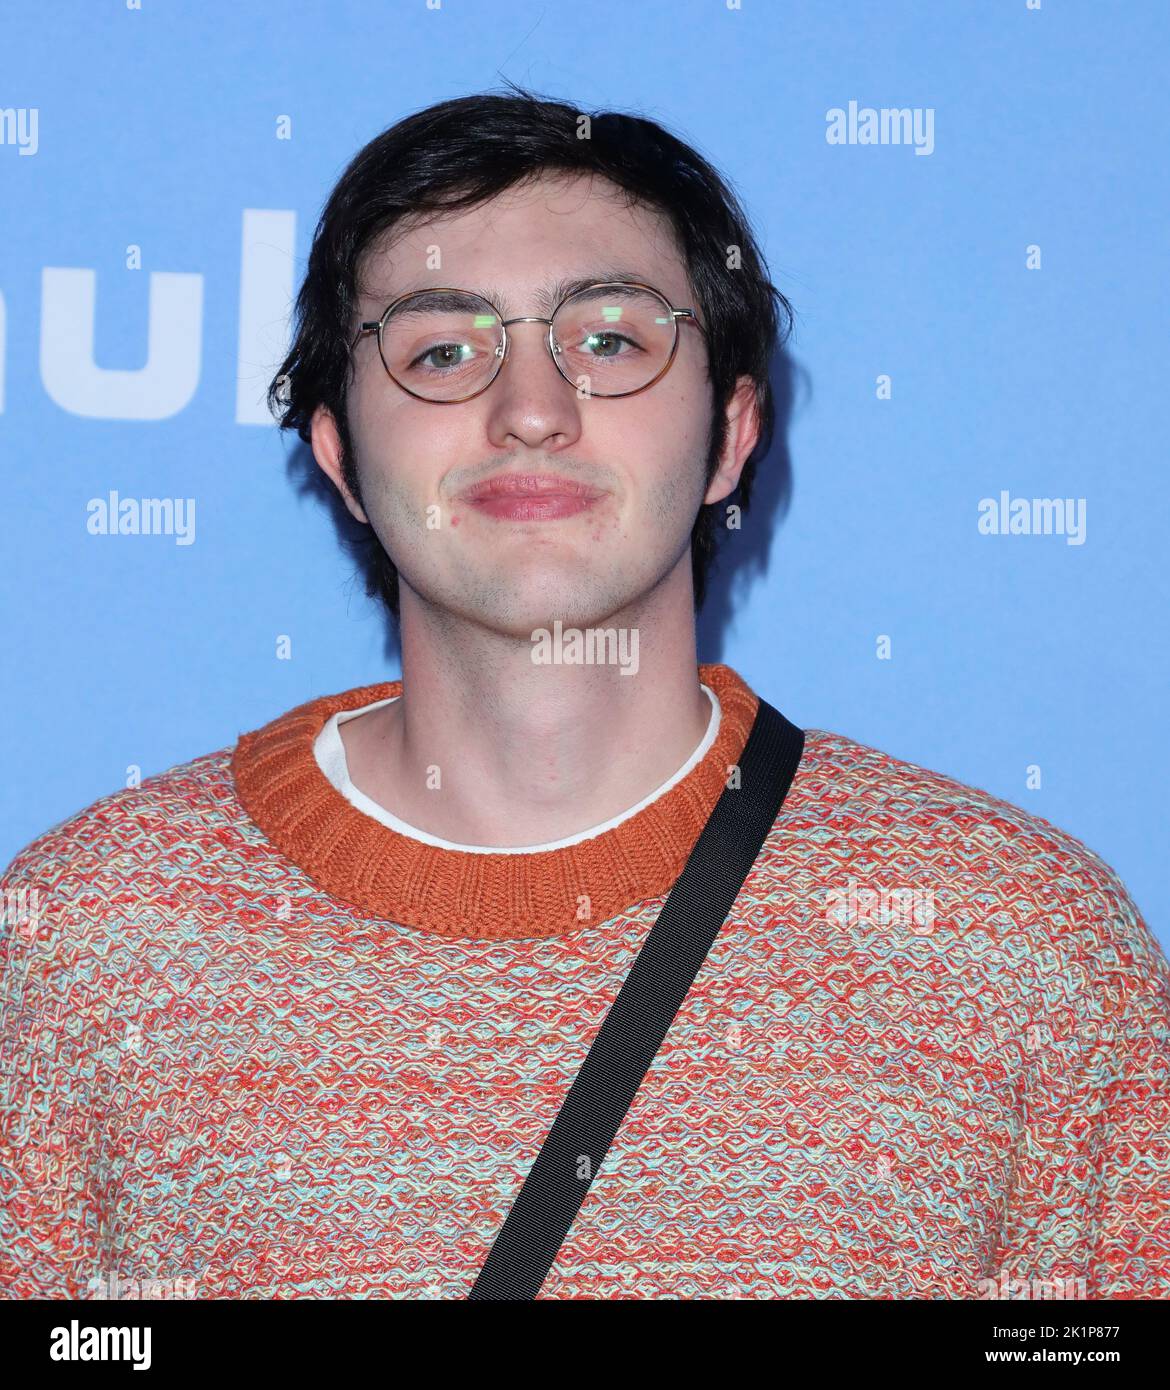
{"x": 646, "y": 1005}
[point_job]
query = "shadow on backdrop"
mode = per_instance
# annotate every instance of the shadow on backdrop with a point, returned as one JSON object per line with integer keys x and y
{"x": 742, "y": 556}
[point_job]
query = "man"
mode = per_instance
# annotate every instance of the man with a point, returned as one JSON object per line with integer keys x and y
{"x": 293, "y": 1019}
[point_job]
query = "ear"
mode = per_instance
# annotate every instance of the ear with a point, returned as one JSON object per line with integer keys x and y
{"x": 743, "y": 430}
{"x": 326, "y": 444}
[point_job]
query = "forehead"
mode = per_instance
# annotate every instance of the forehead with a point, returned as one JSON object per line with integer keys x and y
{"x": 528, "y": 247}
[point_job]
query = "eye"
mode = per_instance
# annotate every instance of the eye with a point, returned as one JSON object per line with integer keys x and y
{"x": 605, "y": 337}
{"x": 450, "y": 355}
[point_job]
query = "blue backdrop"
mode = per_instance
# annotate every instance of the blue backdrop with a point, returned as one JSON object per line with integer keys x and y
{"x": 982, "y": 310}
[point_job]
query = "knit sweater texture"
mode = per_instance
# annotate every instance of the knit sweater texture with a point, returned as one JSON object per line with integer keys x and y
{"x": 256, "y": 1044}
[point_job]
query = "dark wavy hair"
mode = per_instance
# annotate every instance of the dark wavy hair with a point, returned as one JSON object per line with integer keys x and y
{"x": 461, "y": 153}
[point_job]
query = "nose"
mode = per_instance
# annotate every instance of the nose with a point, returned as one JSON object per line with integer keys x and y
{"x": 530, "y": 400}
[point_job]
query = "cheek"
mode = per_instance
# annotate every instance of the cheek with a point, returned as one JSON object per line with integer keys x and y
{"x": 674, "y": 494}
{"x": 400, "y": 453}
{"x": 666, "y": 456}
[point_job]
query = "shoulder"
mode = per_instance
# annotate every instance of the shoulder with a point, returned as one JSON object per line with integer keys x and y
{"x": 129, "y": 844}
{"x": 993, "y": 868}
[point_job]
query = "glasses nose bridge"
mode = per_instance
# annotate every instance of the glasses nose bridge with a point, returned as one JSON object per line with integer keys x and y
{"x": 528, "y": 318}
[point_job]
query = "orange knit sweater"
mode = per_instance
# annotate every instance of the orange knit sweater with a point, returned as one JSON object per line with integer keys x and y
{"x": 506, "y": 895}
{"x": 255, "y": 1043}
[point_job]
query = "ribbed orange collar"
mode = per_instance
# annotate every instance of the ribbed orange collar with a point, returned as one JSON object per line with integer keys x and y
{"x": 457, "y": 893}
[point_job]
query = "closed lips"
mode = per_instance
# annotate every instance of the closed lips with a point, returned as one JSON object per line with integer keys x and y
{"x": 529, "y": 485}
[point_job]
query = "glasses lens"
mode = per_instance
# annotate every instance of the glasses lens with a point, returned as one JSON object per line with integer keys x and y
{"x": 613, "y": 338}
{"x": 442, "y": 344}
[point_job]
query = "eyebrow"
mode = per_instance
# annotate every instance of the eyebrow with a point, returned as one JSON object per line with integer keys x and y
{"x": 547, "y": 295}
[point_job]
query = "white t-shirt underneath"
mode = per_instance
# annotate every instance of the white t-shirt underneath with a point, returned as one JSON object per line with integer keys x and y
{"x": 329, "y": 751}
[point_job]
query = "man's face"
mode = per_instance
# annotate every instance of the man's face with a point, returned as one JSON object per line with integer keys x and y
{"x": 644, "y": 452}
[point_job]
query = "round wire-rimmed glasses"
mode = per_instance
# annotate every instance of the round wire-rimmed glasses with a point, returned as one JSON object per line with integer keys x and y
{"x": 469, "y": 333}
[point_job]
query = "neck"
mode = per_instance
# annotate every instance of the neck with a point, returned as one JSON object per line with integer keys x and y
{"x": 529, "y": 753}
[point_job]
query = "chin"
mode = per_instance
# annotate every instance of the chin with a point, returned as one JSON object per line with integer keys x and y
{"x": 580, "y": 602}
